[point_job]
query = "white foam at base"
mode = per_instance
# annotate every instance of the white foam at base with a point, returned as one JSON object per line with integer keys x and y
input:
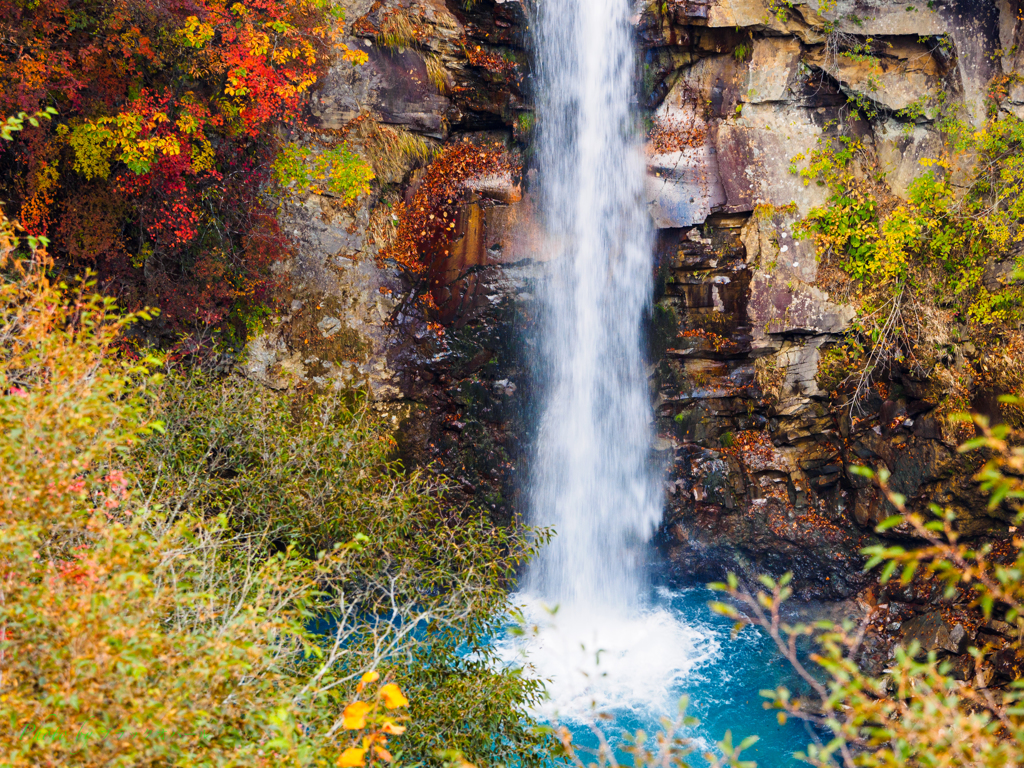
{"x": 596, "y": 662}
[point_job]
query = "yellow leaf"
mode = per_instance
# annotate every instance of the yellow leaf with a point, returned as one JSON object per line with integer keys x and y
{"x": 393, "y": 728}
{"x": 352, "y": 758}
{"x": 354, "y": 717}
{"x": 393, "y": 697}
{"x": 369, "y": 677}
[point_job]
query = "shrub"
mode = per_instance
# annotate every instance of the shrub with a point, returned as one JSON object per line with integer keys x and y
{"x": 155, "y": 169}
{"x": 309, "y": 471}
{"x": 919, "y": 265}
{"x": 119, "y": 642}
{"x": 196, "y": 572}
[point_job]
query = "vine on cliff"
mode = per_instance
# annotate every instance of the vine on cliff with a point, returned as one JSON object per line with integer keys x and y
{"x": 428, "y": 224}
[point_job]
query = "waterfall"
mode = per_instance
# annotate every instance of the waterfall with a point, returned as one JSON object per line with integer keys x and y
{"x": 592, "y": 479}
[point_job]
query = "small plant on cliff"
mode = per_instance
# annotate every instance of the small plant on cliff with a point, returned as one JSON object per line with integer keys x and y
{"x": 525, "y": 123}
{"x": 780, "y": 9}
{"x": 335, "y": 171}
{"x": 770, "y": 377}
{"x": 836, "y": 364}
{"x": 390, "y": 150}
{"x": 397, "y": 30}
{"x": 437, "y": 73}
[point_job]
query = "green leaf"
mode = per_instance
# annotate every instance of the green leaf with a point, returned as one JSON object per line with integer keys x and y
{"x": 767, "y": 581}
{"x": 748, "y": 742}
{"x": 889, "y": 523}
{"x": 908, "y": 572}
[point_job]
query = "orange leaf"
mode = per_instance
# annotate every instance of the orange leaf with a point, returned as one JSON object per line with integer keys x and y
{"x": 368, "y": 677}
{"x": 353, "y": 757}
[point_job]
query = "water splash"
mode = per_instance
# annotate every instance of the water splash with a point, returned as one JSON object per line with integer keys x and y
{"x": 593, "y": 479}
{"x": 636, "y": 664}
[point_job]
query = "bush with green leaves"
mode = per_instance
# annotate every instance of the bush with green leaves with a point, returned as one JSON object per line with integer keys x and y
{"x": 195, "y": 571}
{"x": 310, "y": 471}
{"x": 922, "y": 268}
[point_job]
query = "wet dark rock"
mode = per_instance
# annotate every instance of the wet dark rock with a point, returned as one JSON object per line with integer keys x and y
{"x": 932, "y": 633}
{"x": 1000, "y": 628}
{"x": 1008, "y": 663}
{"x": 763, "y": 444}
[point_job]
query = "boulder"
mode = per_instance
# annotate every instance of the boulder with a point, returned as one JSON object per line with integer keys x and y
{"x": 974, "y": 28}
{"x": 801, "y": 20}
{"x": 900, "y": 148}
{"x": 774, "y": 65}
{"x": 488, "y": 234}
{"x": 683, "y": 182}
{"x": 778, "y": 307}
{"x": 933, "y": 633}
{"x": 394, "y": 85}
{"x": 1008, "y": 663}
{"x": 902, "y": 75}
{"x": 756, "y": 151}
{"x": 1011, "y": 35}
{"x": 878, "y": 18}
{"x": 714, "y": 82}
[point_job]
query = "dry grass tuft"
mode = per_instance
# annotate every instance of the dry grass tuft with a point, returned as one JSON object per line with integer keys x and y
{"x": 397, "y": 30}
{"x": 770, "y": 377}
{"x": 438, "y": 74}
{"x": 392, "y": 152}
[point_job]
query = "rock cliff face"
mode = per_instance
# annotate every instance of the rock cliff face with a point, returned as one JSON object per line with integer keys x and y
{"x": 437, "y": 74}
{"x": 759, "y": 447}
{"x": 762, "y": 448}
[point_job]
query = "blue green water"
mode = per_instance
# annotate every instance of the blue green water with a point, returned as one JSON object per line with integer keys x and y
{"x": 637, "y": 668}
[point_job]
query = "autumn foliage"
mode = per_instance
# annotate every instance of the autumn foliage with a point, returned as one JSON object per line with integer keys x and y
{"x": 427, "y": 225}
{"x": 171, "y": 593}
{"x": 152, "y": 171}
{"x": 126, "y": 636}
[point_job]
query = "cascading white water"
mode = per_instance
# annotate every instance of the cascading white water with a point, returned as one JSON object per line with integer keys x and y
{"x": 592, "y": 478}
